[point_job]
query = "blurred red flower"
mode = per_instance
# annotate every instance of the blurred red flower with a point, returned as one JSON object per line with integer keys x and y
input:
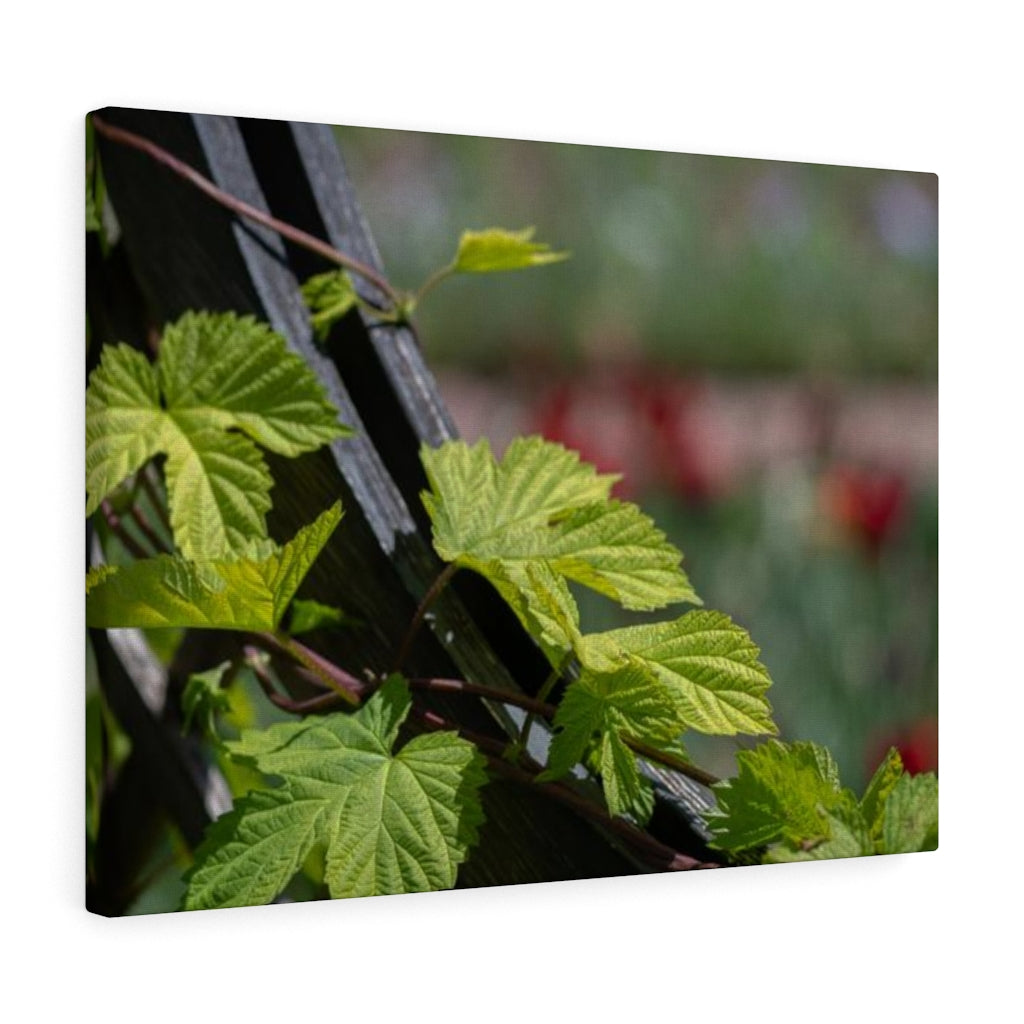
{"x": 868, "y": 504}
{"x": 918, "y": 745}
{"x": 683, "y": 458}
{"x": 594, "y": 417}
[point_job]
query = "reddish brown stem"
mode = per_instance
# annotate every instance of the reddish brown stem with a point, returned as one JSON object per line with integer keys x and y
{"x": 650, "y": 849}
{"x": 117, "y": 527}
{"x": 429, "y": 598}
{"x": 332, "y": 699}
{"x": 329, "y": 675}
{"x": 236, "y": 205}
{"x": 691, "y": 771}
{"x": 146, "y": 527}
{"x": 296, "y": 707}
{"x": 154, "y": 498}
{"x": 519, "y": 700}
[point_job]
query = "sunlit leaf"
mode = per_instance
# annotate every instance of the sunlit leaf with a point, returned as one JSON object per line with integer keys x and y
{"x": 781, "y": 792}
{"x": 540, "y": 517}
{"x": 911, "y": 816}
{"x": 598, "y": 711}
{"x": 847, "y": 836}
{"x": 329, "y": 297}
{"x": 204, "y": 698}
{"x": 878, "y": 791}
{"x": 385, "y": 822}
{"x": 485, "y": 252}
{"x": 705, "y": 658}
{"x": 222, "y": 385}
{"x": 306, "y": 616}
{"x": 246, "y": 593}
{"x": 788, "y": 798}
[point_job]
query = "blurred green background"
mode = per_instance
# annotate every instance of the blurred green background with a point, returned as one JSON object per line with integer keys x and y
{"x": 710, "y": 262}
{"x": 753, "y": 344}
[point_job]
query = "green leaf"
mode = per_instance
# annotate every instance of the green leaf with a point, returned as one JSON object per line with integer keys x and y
{"x": 221, "y": 383}
{"x": 124, "y": 423}
{"x": 878, "y": 790}
{"x": 540, "y": 517}
{"x": 329, "y": 297}
{"x": 911, "y": 818}
{"x": 610, "y": 547}
{"x": 475, "y": 499}
{"x": 626, "y": 791}
{"x": 203, "y": 698}
{"x": 96, "y": 575}
{"x": 790, "y": 796}
{"x": 246, "y": 593}
{"x": 484, "y": 252}
{"x": 782, "y": 792}
{"x": 848, "y": 836}
{"x": 543, "y": 604}
{"x": 218, "y": 487}
{"x": 251, "y": 853}
{"x": 307, "y": 616}
{"x": 597, "y": 712}
{"x": 386, "y": 823}
{"x": 708, "y": 661}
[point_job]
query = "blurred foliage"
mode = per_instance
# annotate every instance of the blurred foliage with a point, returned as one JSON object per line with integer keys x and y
{"x": 724, "y": 263}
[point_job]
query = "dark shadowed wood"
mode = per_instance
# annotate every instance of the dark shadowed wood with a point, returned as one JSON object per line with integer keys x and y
{"x": 167, "y": 773}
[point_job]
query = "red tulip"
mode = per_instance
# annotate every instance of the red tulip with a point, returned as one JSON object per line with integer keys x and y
{"x": 869, "y": 504}
{"x": 918, "y": 745}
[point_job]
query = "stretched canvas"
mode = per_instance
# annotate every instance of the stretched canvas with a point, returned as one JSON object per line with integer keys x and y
{"x": 468, "y": 512}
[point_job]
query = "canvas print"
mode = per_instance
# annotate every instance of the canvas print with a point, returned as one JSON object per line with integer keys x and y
{"x": 467, "y": 512}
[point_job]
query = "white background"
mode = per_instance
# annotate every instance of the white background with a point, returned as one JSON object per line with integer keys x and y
{"x": 896, "y": 85}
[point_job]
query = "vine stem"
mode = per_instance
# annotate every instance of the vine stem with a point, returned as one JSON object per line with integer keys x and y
{"x": 117, "y": 527}
{"x": 297, "y": 707}
{"x": 146, "y": 527}
{"x": 534, "y": 705}
{"x": 330, "y": 676}
{"x": 654, "y": 851}
{"x": 691, "y": 771}
{"x": 431, "y": 282}
{"x": 155, "y": 500}
{"x": 425, "y": 683}
{"x": 542, "y": 695}
{"x": 443, "y": 578}
{"x": 243, "y": 209}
